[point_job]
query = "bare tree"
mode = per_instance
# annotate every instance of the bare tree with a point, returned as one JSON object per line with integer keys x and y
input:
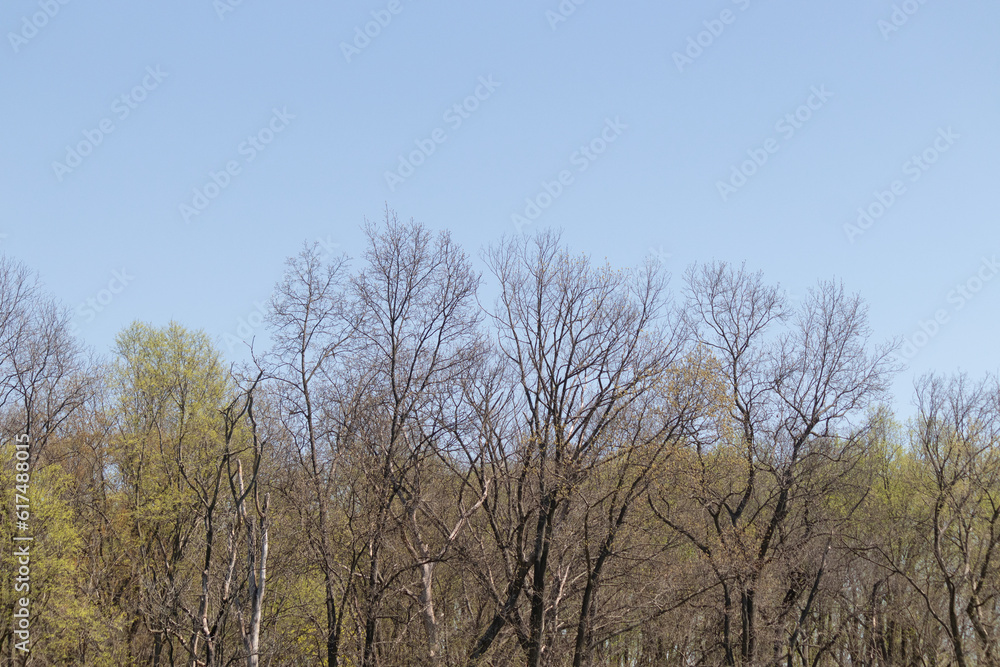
{"x": 582, "y": 345}
{"x": 789, "y": 399}
{"x": 221, "y": 589}
{"x": 312, "y": 330}
{"x": 416, "y": 296}
{"x": 43, "y": 375}
{"x": 19, "y": 293}
{"x": 250, "y": 605}
{"x": 640, "y": 445}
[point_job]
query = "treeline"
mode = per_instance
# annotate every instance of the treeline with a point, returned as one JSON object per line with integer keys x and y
{"x": 592, "y": 469}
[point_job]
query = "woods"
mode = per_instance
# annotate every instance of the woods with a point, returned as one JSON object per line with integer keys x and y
{"x": 593, "y": 466}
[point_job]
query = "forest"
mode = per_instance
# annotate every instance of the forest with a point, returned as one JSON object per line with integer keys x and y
{"x": 554, "y": 462}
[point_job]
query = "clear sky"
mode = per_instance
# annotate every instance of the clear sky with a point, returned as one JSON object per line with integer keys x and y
{"x": 190, "y": 147}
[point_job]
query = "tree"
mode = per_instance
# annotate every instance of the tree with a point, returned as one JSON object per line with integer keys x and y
{"x": 582, "y": 345}
{"x": 312, "y": 332}
{"x": 170, "y": 385}
{"x": 43, "y": 384}
{"x": 257, "y": 523}
{"x": 584, "y": 473}
{"x": 956, "y": 513}
{"x": 790, "y": 399}
{"x": 417, "y": 326}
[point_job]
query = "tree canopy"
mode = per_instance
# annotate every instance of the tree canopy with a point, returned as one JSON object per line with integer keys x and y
{"x": 599, "y": 467}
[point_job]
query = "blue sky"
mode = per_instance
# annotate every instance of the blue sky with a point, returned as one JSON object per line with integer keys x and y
{"x": 734, "y": 130}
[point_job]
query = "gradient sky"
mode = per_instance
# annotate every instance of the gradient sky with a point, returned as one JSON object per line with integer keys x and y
{"x": 895, "y": 81}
